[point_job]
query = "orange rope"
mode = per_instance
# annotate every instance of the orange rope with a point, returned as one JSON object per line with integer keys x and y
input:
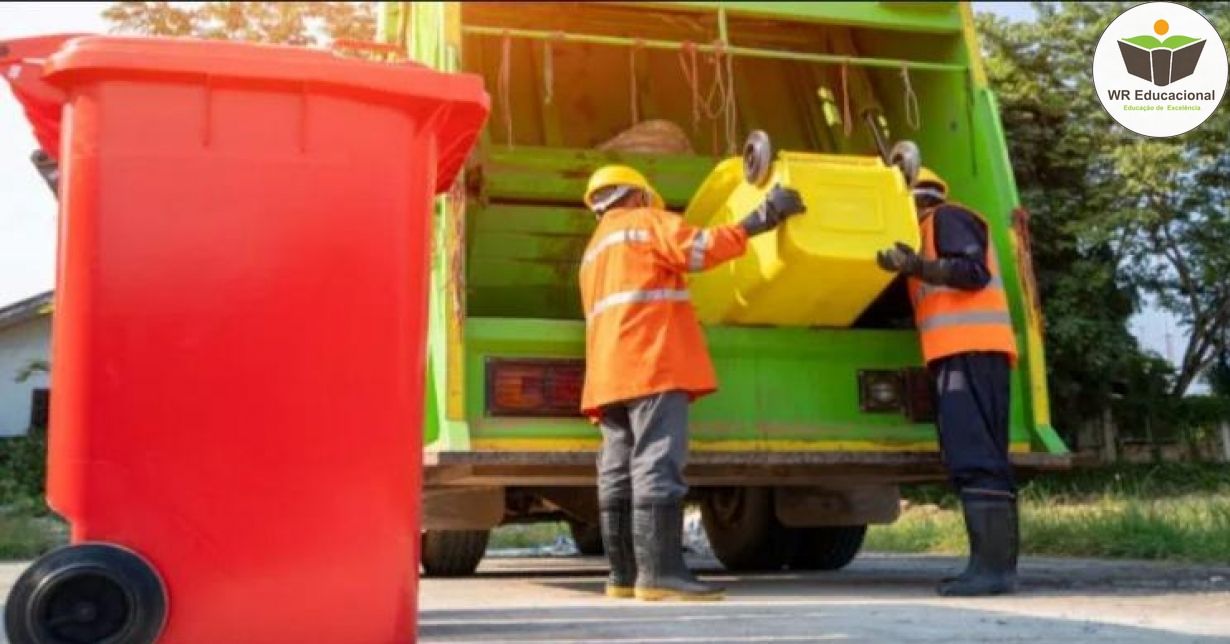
{"x": 632, "y": 88}
{"x": 730, "y": 107}
{"x": 687, "y": 62}
{"x": 846, "y": 122}
{"x": 503, "y": 82}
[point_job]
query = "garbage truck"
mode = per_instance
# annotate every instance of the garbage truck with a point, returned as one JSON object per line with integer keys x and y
{"x": 824, "y": 407}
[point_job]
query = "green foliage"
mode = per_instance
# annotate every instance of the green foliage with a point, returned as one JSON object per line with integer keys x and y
{"x": 1116, "y": 218}
{"x": 1218, "y": 375}
{"x": 23, "y": 471}
{"x": 1055, "y": 129}
{"x": 32, "y": 368}
{"x": 288, "y": 23}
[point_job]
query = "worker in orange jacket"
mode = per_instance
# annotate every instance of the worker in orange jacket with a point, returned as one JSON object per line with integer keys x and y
{"x": 968, "y": 343}
{"x": 645, "y": 361}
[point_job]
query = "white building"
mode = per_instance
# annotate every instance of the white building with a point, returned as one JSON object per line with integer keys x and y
{"x": 25, "y": 339}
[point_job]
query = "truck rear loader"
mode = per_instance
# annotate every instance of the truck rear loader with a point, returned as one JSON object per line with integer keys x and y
{"x": 816, "y": 424}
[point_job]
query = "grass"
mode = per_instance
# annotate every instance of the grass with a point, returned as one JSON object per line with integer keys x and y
{"x": 1177, "y": 512}
{"x": 527, "y": 535}
{"x": 25, "y": 535}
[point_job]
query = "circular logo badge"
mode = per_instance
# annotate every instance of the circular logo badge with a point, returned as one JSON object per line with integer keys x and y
{"x": 1160, "y": 69}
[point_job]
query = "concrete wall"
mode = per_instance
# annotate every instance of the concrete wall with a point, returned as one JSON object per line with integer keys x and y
{"x": 19, "y": 344}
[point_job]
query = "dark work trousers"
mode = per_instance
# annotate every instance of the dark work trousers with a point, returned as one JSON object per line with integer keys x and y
{"x": 972, "y": 408}
{"x": 644, "y": 447}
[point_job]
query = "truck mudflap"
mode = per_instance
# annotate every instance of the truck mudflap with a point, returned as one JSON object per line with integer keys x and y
{"x": 724, "y": 468}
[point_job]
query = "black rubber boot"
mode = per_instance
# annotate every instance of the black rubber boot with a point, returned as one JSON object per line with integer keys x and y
{"x": 615, "y": 519}
{"x": 994, "y": 538}
{"x": 657, "y": 531}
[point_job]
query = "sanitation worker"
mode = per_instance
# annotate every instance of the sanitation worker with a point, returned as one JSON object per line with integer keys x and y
{"x": 645, "y": 361}
{"x": 967, "y": 341}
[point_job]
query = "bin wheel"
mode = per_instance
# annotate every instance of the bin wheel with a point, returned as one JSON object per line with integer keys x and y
{"x": 92, "y": 593}
{"x": 453, "y": 553}
{"x": 743, "y": 531}
{"x": 757, "y": 158}
{"x": 588, "y": 537}
{"x": 827, "y": 547}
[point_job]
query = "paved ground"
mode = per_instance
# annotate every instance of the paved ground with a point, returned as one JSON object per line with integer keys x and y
{"x": 879, "y": 598}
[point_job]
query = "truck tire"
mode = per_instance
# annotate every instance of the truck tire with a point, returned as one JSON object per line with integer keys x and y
{"x": 588, "y": 537}
{"x": 743, "y": 529}
{"x": 826, "y": 547}
{"x": 453, "y": 553}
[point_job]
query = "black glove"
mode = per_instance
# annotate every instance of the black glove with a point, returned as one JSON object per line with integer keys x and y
{"x": 902, "y": 259}
{"x": 899, "y": 259}
{"x": 779, "y": 204}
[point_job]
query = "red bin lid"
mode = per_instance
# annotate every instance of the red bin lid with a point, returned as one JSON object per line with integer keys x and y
{"x": 466, "y": 102}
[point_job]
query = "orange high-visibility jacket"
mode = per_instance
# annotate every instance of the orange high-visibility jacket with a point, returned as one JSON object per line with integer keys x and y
{"x": 952, "y": 320}
{"x": 641, "y": 332}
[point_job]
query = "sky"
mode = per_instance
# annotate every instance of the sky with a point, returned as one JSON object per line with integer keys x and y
{"x": 27, "y": 208}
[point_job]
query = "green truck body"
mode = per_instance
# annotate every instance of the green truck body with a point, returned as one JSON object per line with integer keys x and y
{"x": 790, "y": 415}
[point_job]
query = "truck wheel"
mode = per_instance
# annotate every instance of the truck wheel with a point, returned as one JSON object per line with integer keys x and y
{"x": 826, "y": 547}
{"x": 743, "y": 530}
{"x": 88, "y": 593}
{"x": 453, "y": 553}
{"x": 588, "y": 537}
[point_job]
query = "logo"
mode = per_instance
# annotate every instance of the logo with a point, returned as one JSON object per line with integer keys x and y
{"x": 1160, "y": 45}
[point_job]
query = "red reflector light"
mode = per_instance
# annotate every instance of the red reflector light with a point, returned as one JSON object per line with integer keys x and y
{"x": 534, "y": 387}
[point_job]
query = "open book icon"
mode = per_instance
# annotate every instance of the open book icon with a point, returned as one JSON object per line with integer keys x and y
{"x": 1161, "y": 62}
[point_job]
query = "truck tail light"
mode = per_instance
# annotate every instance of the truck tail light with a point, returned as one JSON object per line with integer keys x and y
{"x": 919, "y": 395}
{"x": 534, "y": 387}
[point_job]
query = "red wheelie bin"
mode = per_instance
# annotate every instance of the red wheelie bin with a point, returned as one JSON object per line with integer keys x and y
{"x": 238, "y": 342}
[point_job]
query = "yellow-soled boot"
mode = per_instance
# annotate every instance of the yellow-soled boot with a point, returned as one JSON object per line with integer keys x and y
{"x": 615, "y": 521}
{"x": 657, "y": 532}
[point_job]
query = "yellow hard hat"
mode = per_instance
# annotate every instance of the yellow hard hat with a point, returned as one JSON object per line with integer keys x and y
{"x": 620, "y": 175}
{"x": 927, "y": 176}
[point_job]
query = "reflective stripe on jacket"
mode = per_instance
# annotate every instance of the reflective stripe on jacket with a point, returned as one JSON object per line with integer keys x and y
{"x": 952, "y": 320}
{"x": 641, "y": 332}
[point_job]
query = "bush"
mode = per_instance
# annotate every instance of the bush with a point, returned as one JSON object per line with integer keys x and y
{"x": 23, "y": 471}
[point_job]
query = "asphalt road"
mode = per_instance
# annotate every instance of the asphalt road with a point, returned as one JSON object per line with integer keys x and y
{"x": 878, "y": 598}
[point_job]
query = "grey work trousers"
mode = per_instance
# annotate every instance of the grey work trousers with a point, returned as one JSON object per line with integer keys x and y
{"x": 644, "y": 449}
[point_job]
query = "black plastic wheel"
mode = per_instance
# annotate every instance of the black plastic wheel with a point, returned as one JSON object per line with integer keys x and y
{"x": 453, "y": 553}
{"x": 827, "y": 547}
{"x": 588, "y": 537}
{"x": 93, "y": 593}
{"x": 743, "y": 529}
{"x": 757, "y": 158}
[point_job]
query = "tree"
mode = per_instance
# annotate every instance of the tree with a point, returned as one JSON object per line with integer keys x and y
{"x": 1057, "y": 134}
{"x": 1115, "y": 217}
{"x": 288, "y": 23}
{"x": 1175, "y": 212}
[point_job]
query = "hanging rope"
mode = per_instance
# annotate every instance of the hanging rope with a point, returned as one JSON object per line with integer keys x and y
{"x": 847, "y": 123}
{"x": 503, "y": 83}
{"x": 632, "y": 88}
{"x": 720, "y": 102}
{"x": 912, "y": 116}
{"x": 730, "y": 107}
{"x": 687, "y": 62}
{"x": 548, "y": 72}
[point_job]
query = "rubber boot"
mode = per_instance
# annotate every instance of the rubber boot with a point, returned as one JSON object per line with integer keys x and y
{"x": 657, "y": 531}
{"x": 993, "y": 531}
{"x": 615, "y": 520}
